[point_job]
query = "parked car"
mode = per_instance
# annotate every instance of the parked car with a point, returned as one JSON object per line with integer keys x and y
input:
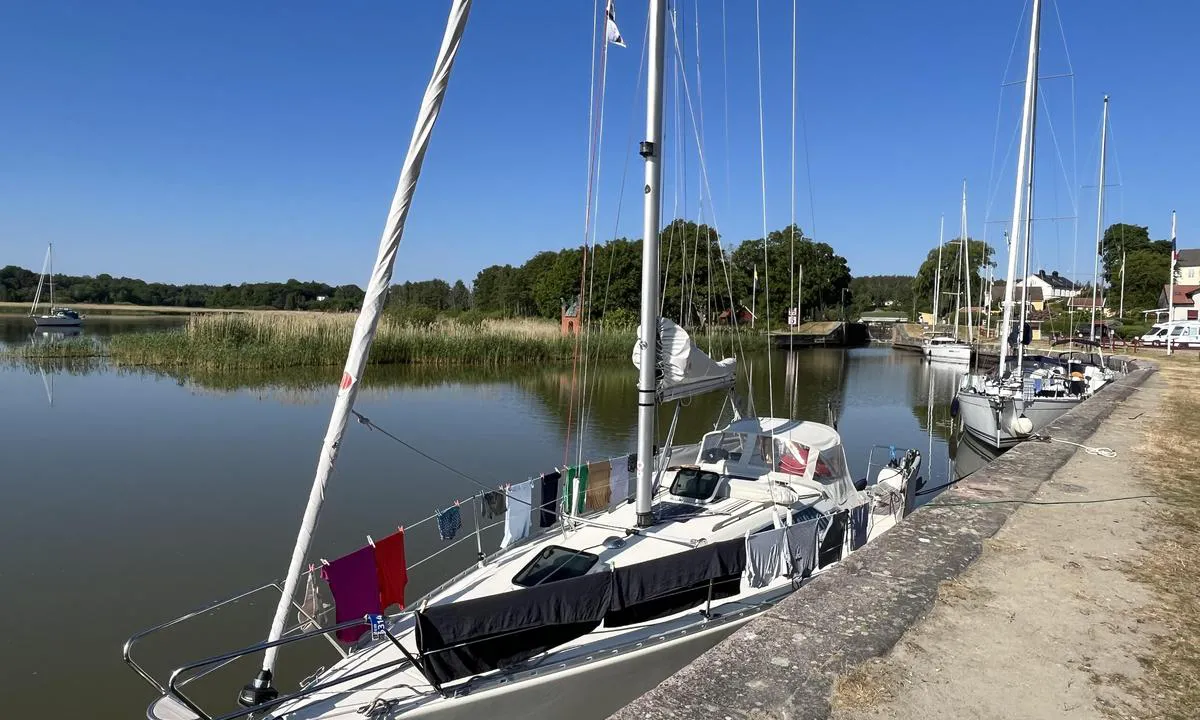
{"x": 1182, "y": 333}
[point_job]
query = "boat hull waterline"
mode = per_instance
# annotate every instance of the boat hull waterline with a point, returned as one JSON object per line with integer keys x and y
{"x": 990, "y": 419}
{"x": 54, "y": 321}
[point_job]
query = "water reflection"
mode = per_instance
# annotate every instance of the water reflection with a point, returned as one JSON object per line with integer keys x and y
{"x": 18, "y": 329}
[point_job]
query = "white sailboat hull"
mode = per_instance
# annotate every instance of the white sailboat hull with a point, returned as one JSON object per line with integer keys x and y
{"x": 592, "y": 690}
{"x": 949, "y": 353}
{"x": 54, "y": 321}
{"x": 991, "y": 419}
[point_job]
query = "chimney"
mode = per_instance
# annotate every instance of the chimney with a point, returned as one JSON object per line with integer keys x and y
{"x": 1042, "y": 274}
{"x": 1054, "y": 274}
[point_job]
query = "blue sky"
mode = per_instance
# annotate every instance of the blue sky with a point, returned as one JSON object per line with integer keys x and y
{"x": 227, "y": 141}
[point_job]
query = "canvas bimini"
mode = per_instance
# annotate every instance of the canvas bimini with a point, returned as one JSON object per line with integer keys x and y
{"x": 593, "y": 597}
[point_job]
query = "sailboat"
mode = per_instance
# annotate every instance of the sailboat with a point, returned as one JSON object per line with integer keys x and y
{"x": 58, "y": 316}
{"x": 1027, "y": 392}
{"x": 942, "y": 348}
{"x": 578, "y": 619}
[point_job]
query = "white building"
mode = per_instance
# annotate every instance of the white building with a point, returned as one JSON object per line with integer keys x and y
{"x": 1188, "y": 267}
{"x": 1053, "y": 285}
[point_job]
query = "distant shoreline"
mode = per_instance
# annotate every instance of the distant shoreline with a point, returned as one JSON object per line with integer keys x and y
{"x": 116, "y": 309}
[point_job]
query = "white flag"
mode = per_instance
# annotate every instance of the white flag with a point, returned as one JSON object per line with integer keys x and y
{"x": 612, "y": 34}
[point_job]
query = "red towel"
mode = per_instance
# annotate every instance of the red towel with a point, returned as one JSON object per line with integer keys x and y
{"x": 392, "y": 569}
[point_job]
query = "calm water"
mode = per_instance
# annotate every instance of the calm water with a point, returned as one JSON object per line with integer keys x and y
{"x": 133, "y": 497}
{"x": 15, "y": 328}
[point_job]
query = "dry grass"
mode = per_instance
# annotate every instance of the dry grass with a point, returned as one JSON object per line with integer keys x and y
{"x": 867, "y": 686}
{"x": 1171, "y": 686}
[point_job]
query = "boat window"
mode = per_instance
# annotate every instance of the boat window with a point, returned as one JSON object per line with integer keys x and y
{"x": 831, "y": 463}
{"x": 793, "y": 458}
{"x": 762, "y": 453}
{"x": 726, "y": 446}
{"x": 555, "y": 563}
{"x": 694, "y": 483}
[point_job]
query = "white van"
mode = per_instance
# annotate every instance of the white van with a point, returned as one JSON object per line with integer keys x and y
{"x": 1182, "y": 333}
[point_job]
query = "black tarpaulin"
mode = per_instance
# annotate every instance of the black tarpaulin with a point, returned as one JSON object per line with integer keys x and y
{"x": 674, "y": 583}
{"x": 469, "y": 637}
{"x": 835, "y": 538}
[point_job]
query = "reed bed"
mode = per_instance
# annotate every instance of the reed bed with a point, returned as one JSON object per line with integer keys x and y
{"x": 290, "y": 339}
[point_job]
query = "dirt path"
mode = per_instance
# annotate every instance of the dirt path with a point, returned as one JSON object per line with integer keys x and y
{"x": 1050, "y": 623}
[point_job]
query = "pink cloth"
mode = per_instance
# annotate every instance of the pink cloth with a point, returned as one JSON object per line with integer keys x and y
{"x": 354, "y": 582}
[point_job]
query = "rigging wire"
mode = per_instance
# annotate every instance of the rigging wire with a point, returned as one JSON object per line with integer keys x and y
{"x": 762, "y": 164}
{"x": 595, "y": 108}
{"x": 708, "y": 189}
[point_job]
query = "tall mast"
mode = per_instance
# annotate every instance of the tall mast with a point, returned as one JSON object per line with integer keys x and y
{"x": 37, "y": 295}
{"x": 50, "y": 277}
{"x": 261, "y": 689}
{"x": 1028, "y": 240}
{"x": 966, "y": 270}
{"x": 958, "y": 263}
{"x": 1023, "y": 159}
{"x": 937, "y": 275}
{"x": 651, "y": 151}
{"x": 1099, "y": 215}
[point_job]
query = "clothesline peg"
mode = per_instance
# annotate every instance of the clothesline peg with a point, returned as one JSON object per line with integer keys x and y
{"x": 370, "y": 541}
{"x": 324, "y": 562}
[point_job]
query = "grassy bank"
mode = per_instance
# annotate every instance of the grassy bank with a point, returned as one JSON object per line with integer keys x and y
{"x": 1172, "y": 567}
{"x": 290, "y": 339}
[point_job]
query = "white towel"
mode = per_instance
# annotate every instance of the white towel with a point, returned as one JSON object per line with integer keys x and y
{"x": 517, "y": 513}
{"x": 618, "y": 481}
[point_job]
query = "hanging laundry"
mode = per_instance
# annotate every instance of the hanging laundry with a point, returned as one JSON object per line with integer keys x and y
{"x": 493, "y": 504}
{"x": 392, "y": 569}
{"x": 618, "y": 481}
{"x": 575, "y": 490}
{"x": 520, "y": 509}
{"x": 354, "y": 582}
{"x": 599, "y": 492}
{"x": 766, "y": 557}
{"x": 860, "y": 520}
{"x": 548, "y": 504}
{"x": 311, "y": 607}
{"x": 834, "y": 540}
{"x": 802, "y": 548}
{"x": 449, "y": 522}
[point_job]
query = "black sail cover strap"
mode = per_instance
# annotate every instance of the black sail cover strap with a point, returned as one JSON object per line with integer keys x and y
{"x": 469, "y": 637}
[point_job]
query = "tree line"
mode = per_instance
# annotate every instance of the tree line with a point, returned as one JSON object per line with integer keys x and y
{"x": 20, "y": 285}
{"x": 702, "y": 280}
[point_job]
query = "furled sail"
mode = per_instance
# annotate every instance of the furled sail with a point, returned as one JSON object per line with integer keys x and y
{"x": 685, "y": 370}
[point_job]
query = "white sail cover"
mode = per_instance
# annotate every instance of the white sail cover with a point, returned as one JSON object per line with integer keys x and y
{"x": 685, "y": 370}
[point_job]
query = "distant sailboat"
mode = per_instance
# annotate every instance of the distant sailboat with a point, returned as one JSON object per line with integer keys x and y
{"x": 58, "y": 316}
{"x": 943, "y": 348}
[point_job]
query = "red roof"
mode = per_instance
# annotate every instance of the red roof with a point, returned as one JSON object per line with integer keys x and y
{"x": 1085, "y": 301}
{"x": 1182, "y": 293}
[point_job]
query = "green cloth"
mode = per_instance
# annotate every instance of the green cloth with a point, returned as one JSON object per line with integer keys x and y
{"x": 575, "y": 489}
